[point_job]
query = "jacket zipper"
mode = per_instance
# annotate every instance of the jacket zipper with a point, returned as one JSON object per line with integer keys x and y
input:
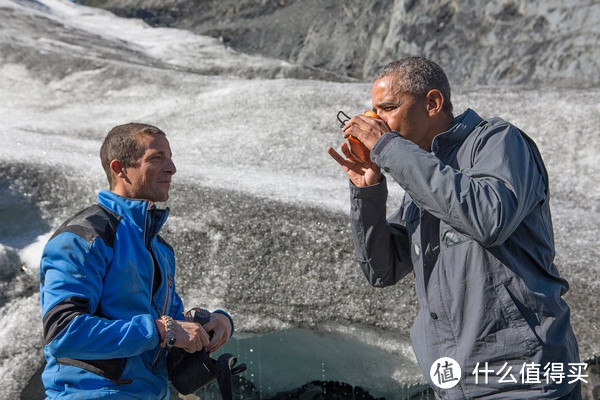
{"x": 163, "y": 313}
{"x": 169, "y": 284}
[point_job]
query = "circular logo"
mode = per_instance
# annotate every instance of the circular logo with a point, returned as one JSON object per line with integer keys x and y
{"x": 445, "y": 373}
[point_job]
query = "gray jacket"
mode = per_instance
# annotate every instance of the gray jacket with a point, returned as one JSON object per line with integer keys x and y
{"x": 475, "y": 228}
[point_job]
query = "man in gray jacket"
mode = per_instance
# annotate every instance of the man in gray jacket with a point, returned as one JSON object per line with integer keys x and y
{"x": 474, "y": 227}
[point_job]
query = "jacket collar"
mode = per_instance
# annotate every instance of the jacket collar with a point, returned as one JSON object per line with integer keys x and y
{"x": 460, "y": 129}
{"x": 142, "y": 213}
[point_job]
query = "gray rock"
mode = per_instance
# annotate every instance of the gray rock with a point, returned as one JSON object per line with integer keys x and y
{"x": 501, "y": 42}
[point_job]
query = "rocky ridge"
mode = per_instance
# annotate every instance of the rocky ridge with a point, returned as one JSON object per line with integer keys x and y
{"x": 499, "y": 42}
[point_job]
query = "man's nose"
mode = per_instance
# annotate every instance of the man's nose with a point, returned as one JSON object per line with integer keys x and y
{"x": 170, "y": 168}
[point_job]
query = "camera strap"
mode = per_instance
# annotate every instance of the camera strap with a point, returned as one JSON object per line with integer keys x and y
{"x": 225, "y": 368}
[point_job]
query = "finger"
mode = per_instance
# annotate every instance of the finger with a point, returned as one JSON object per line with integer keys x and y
{"x": 204, "y": 339}
{"x": 210, "y": 326}
{"x": 216, "y": 346}
{"x": 189, "y": 315}
{"x": 336, "y": 156}
{"x": 348, "y": 163}
{"x": 361, "y": 125}
{"x": 216, "y": 342}
{"x": 190, "y": 349}
{"x": 218, "y": 332}
{"x": 352, "y": 130}
{"x": 217, "y": 323}
{"x": 358, "y": 122}
{"x": 200, "y": 343}
{"x": 352, "y": 121}
{"x": 194, "y": 344}
{"x": 365, "y": 119}
{"x": 346, "y": 126}
{"x": 348, "y": 153}
{"x": 376, "y": 124}
{"x": 219, "y": 343}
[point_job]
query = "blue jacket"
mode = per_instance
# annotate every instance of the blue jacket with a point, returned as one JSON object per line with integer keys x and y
{"x": 475, "y": 229}
{"x": 97, "y": 276}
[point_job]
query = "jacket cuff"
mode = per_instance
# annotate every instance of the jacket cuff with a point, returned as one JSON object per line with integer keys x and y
{"x": 382, "y": 142}
{"x": 230, "y": 320}
{"x": 377, "y": 190}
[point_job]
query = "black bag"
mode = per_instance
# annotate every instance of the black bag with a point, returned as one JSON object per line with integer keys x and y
{"x": 189, "y": 372}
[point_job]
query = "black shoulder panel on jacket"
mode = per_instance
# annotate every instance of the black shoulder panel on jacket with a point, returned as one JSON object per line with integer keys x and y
{"x": 91, "y": 223}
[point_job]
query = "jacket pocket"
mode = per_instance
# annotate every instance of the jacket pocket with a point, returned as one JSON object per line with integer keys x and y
{"x": 518, "y": 327}
{"x": 110, "y": 369}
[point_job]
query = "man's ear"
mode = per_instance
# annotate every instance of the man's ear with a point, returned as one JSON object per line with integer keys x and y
{"x": 118, "y": 169}
{"x": 435, "y": 101}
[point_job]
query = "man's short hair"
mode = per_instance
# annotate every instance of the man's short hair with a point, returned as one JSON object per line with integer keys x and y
{"x": 121, "y": 144}
{"x": 419, "y": 76}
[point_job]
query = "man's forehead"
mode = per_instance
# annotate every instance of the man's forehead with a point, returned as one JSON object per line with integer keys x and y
{"x": 149, "y": 140}
{"x": 389, "y": 86}
{"x": 153, "y": 144}
{"x": 394, "y": 78}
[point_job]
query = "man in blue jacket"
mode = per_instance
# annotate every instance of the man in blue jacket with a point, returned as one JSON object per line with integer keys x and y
{"x": 109, "y": 304}
{"x": 475, "y": 229}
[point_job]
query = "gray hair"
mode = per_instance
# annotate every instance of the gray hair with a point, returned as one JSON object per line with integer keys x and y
{"x": 418, "y": 76}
